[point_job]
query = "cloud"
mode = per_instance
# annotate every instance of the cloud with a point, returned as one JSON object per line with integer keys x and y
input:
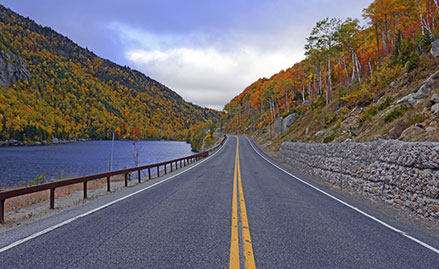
{"x": 208, "y": 51}
{"x": 209, "y": 76}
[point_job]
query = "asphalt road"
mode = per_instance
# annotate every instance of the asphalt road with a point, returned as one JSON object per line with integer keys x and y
{"x": 186, "y": 222}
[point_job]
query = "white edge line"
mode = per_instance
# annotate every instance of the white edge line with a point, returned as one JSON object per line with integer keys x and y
{"x": 348, "y": 205}
{"x": 49, "y": 229}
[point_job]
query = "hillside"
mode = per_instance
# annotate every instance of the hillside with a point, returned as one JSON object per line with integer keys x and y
{"x": 52, "y": 88}
{"x": 358, "y": 83}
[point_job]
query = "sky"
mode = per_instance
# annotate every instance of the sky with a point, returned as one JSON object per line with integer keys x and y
{"x": 208, "y": 51}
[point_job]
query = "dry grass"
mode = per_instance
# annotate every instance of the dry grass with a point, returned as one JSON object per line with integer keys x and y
{"x": 23, "y": 201}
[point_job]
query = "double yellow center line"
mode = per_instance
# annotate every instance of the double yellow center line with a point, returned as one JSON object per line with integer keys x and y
{"x": 247, "y": 243}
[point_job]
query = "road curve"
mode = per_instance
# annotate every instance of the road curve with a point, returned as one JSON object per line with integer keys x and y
{"x": 225, "y": 212}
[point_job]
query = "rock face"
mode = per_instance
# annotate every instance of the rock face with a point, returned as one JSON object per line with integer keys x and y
{"x": 422, "y": 92}
{"x": 403, "y": 174}
{"x": 286, "y": 123}
{"x": 12, "y": 69}
{"x": 435, "y": 48}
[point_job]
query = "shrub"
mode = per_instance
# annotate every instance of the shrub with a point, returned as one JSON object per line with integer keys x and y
{"x": 368, "y": 114}
{"x": 386, "y": 103}
{"x": 321, "y": 102}
{"x": 396, "y": 113}
{"x": 330, "y": 137}
{"x": 417, "y": 118}
{"x": 329, "y": 119}
{"x": 413, "y": 61}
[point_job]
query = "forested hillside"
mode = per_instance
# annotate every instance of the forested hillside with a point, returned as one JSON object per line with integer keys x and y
{"x": 52, "y": 88}
{"x": 356, "y": 82}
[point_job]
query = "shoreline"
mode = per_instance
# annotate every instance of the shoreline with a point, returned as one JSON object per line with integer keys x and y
{"x": 16, "y": 143}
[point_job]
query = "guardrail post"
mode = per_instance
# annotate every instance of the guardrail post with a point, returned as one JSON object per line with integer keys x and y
{"x": 85, "y": 189}
{"x": 126, "y": 179}
{"x": 52, "y": 198}
{"x": 149, "y": 173}
{"x": 2, "y": 211}
{"x": 180, "y": 164}
{"x": 171, "y": 166}
{"x": 158, "y": 171}
{"x": 108, "y": 184}
{"x": 165, "y": 169}
{"x": 138, "y": 175}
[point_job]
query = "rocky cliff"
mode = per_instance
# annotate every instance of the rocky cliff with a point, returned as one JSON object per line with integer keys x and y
{"x": 12, "y": 69}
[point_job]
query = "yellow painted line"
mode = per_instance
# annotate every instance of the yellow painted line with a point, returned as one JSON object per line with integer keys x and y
{"x": 249, "y": 261}
{"x": 248, "y": 248}
{"x": 234, "y": 242}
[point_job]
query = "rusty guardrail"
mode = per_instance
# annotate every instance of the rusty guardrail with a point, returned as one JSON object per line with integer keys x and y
{"x": 52, "y": 186}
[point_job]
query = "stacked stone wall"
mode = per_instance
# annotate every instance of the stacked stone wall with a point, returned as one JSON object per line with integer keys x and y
{"x": 403, "y": 174}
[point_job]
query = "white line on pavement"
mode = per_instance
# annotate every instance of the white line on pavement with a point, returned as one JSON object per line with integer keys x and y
{"x": 348, "y": 205}
{"x": 30, "y": 237}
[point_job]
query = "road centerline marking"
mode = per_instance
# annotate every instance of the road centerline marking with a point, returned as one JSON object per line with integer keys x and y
{"x": 234, "y": 241}
{"x": 249, "y": 259}
{"x": 248, "y": 248}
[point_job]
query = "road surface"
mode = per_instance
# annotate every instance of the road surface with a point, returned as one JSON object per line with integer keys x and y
{"x": 235, "y": 209}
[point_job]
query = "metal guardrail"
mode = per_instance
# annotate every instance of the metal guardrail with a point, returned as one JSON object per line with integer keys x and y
{"x": 52, "y": 186}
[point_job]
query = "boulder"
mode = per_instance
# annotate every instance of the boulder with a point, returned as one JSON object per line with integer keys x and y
{"x": 423, "y": 91}
{"x": 435, "y": 48}
{"x": 286, "y": 123}
{"x": 435, "y": 98}
{"x": 410, "y": 98}
{"x": 276, "y": 128}
{"x": 307, "y": 102}
{"x": 319, "y": 135}
{"x": 435, "y": 109}
{"x": 411, "y": 132}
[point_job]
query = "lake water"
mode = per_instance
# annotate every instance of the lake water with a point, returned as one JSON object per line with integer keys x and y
{"x": 21, "y": 164}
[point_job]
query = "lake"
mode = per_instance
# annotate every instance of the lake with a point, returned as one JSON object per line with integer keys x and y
{"x": 21, "y": 164}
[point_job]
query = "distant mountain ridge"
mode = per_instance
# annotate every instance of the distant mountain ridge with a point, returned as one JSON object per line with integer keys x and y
{"x": 51, "y": 87}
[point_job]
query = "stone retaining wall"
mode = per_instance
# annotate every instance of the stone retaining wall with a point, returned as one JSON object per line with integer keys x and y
{"x": 403, "y": 174}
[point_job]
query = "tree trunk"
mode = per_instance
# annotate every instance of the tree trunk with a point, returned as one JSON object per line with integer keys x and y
{"x": 437, "y": 6}
{"x": 320, "y": 80}
{"x": 329, "y": 78}
{"x": 303, "y": 90}
{"x": 358, "y": 66}
{"x": 421, "y": 17}
{"x": 345, "y": 71}
{"x": 378, "y": 40}
{"x": 386, "y": 36}
{"x": 353, "y": 67}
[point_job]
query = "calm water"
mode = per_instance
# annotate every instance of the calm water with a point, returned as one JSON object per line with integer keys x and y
{"x": 20, "y": 164}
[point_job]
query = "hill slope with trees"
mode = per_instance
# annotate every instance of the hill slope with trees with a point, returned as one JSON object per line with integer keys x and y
{"x": 52, "y": 88}
{"x": 356, "y": 82}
